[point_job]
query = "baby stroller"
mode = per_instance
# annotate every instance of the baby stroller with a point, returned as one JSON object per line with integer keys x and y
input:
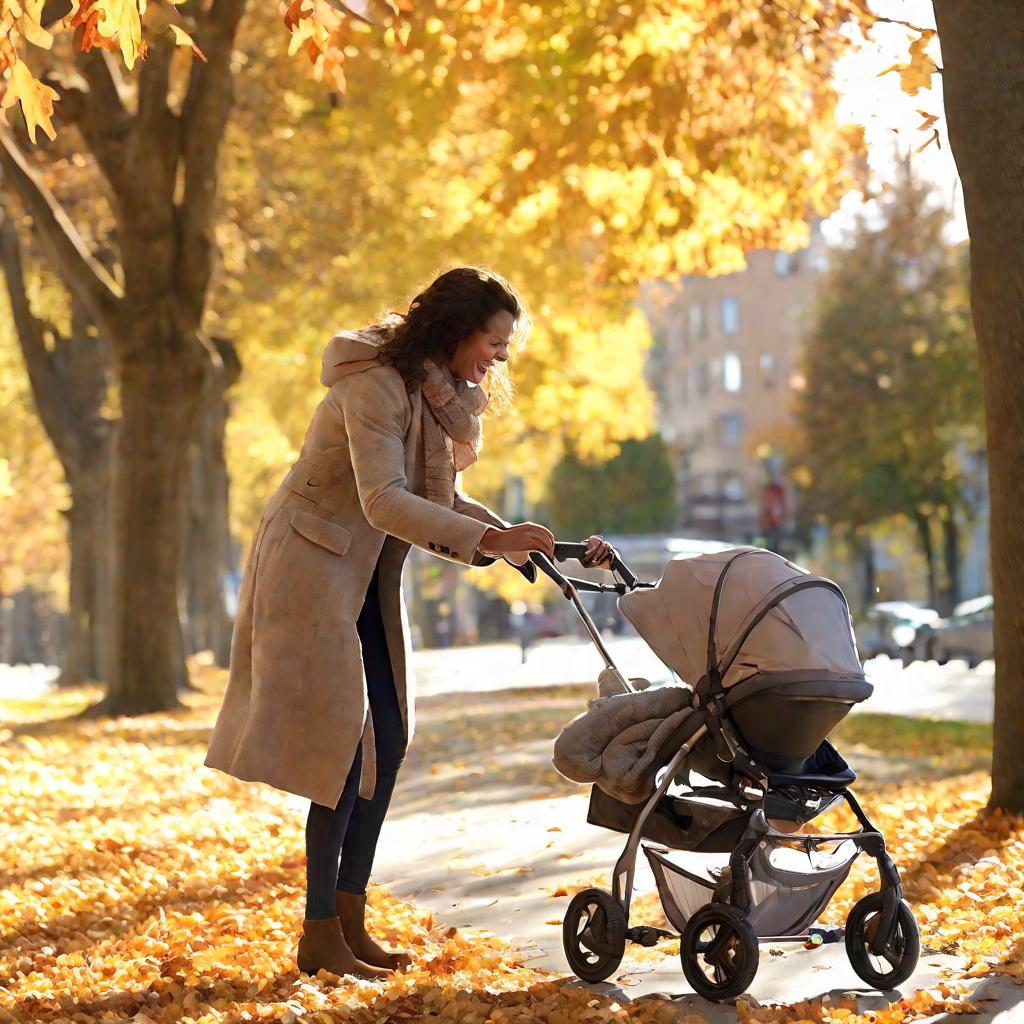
{"x": 771, "y": 649}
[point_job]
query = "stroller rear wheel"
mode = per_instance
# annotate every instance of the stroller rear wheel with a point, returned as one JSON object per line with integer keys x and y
{"x": 594, "y": 934}
{"x": 897, "y": 962}
{"x": 719, "y": 952}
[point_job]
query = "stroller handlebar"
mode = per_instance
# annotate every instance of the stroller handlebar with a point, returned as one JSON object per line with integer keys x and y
{"x": 565, "y": 550}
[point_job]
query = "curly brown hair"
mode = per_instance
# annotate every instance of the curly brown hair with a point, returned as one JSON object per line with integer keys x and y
{"x": 451, "y": 308}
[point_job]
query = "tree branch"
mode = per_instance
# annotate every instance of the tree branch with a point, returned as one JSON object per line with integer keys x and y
{"x": 108, "y": 89}
{"x": 154, "y": 154}
{"x": 76, "y": 107}
{"x": 896, "y": 21}
{"x": 107, "y": 123}
{"x": 204, "y": 115}
{"x": 155, "y": 122}
{"x": 81, "y": 272}
{"x": 47, "y": 387}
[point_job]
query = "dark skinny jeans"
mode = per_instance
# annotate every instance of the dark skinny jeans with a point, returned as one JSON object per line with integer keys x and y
{"x": 350, "y": 831}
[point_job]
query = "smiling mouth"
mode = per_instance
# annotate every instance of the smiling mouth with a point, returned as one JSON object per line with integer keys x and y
{"x": 483, "y": 367}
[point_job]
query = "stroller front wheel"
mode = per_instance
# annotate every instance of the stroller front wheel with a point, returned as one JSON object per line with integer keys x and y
{"x": 719, "y": 952}
{"x": 896, "y": 963}
{"x": 594, "y": 934}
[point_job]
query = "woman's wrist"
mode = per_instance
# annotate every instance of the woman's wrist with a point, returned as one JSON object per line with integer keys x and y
{"x": 491, "y": 535}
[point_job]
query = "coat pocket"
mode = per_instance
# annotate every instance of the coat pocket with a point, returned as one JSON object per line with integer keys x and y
{"x": 321, "y": 531}
{"x": 306, "y": 570}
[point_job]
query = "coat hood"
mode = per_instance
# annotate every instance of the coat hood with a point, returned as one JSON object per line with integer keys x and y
{"x": 350, "y": 352}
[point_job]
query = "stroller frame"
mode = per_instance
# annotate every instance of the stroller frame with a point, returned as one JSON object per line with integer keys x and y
{"x": 748, "y": 788}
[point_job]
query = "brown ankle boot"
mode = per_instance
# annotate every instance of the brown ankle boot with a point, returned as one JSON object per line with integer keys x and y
{"x": 323, "y": 947}
{"x": 352, "y": 914}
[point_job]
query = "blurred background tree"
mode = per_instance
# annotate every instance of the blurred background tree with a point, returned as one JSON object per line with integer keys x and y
{"x": 630, "y": 493}
{"x": 893, "y": 398}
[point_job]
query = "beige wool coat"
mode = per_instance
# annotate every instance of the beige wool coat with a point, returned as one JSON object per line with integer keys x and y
{"x": 296, "y": 708}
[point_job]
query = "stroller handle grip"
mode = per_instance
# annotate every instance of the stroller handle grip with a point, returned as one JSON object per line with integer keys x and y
{"x": 577, "y": 550}
{"x": 565, "y": 550}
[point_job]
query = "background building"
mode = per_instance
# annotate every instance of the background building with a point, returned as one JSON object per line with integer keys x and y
{"x": 725, "y": 361}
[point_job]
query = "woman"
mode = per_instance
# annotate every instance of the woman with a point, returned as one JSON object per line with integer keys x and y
{"x": 317, "y": 702}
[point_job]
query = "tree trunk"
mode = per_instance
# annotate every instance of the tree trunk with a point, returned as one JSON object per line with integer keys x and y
{"x": 924, "y": 535}
{"x": 24, "y": 625}
{"x": 950, "y": 596}
{"x": 70, "y": 379}
{"x": 159, "y": 398}
{"x": 90, "y": 551}
{"x": 104, "y": 651}
{"x": 866, "y": 550}
{"x": 84, "y": 368}
{"x": 208, "y": 557}
{"x": 79, "y": 661}
{"x": 983, "y": 81}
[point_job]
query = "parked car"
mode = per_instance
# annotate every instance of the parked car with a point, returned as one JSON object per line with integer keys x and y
{"x": 890, "y": 628}
{"x": 966, "y": 634}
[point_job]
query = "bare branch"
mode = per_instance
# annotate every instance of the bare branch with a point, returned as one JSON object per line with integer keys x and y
{"x": 109, "y": 92}
{"x": 896, "y": 21}
{"x": 106, "y": 122}
{"x": 76, "y": 108}
{"x": 155, "y": 118}
{"x": 82, "y": 273}
{"x": 47, "y": 387}
{"x": 156, "y": 138}
{"x": 204, "y": 115}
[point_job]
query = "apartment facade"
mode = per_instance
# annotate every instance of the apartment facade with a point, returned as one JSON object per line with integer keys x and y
{"x": 724, "y": 366}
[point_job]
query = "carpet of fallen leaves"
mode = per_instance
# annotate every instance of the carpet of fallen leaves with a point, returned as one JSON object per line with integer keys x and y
{"x": 135, "y": 884}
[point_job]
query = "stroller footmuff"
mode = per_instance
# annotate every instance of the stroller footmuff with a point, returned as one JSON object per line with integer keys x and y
{"x": 775, "y": 665}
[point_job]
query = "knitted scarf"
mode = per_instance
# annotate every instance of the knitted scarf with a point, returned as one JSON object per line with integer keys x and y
{"x": 451, "y": 427}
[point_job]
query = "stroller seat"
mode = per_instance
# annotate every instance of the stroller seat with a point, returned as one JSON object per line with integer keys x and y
{"x": 830, "y": 783}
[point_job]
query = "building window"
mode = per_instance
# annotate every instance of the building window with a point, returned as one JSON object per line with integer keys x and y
{"x": 730, "y": 312}
{"x": 697, "y": 321}
{"x": 769, "y": 367}
{"x": 732, "y": 372}
{"x": 787, "y": 263}
{"x": 678, "y": 339}
{"x": 704, "y": 485}
{"x": 702, "y": 381}
{"x": 733, "y": 488}
{"x": 731, "y": 430}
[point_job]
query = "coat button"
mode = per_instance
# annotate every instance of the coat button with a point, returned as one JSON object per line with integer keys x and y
{"x": 312, "y": 482}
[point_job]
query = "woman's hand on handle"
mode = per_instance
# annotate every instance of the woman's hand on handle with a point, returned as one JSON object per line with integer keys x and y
{"x": 517, "y": 540}
{"x": 599, "y": 553}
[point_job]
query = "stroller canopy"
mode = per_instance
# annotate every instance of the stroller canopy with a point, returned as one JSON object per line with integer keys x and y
{"x": 809, "y": 629}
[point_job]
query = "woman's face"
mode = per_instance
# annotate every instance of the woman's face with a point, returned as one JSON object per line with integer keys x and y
{"x": 476, "y": 354}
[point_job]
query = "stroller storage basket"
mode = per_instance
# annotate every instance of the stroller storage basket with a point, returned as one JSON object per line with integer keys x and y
{"x": 791, "y": 886}
{"x": 682, "y": 892}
